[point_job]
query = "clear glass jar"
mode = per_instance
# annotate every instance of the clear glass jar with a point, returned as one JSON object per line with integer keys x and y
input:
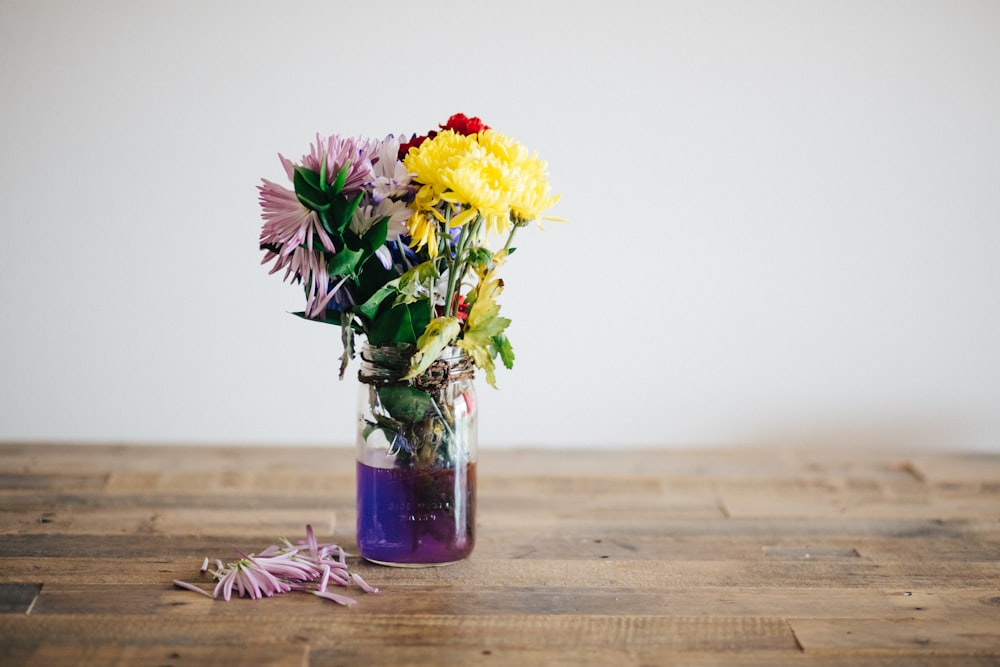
{"x": 416, "y": 458}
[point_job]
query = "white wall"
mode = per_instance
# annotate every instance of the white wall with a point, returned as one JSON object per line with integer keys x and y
{"x": 784, "y": 214}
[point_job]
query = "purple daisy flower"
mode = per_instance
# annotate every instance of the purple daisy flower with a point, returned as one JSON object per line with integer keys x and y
{"x": 354, "y": 152}
{"x": 289, "y": 239}
{"x": 305, "y": 566}
{"x": 390, "y": 177}
{"x": 288, "y": 224}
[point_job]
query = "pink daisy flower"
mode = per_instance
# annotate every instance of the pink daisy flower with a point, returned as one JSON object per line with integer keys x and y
{"x": 289, "y": 238}
{"x": 355, "y": 152}
{"x": 305, "y": 566}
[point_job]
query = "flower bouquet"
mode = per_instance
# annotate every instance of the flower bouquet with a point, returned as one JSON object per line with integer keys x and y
{"x": 399, "y": 242}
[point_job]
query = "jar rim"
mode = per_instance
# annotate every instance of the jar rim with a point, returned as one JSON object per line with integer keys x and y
{"x": 387, "y": 364}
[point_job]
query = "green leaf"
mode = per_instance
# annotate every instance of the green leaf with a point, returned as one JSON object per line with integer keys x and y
{"x": 482, "y": 257}
{"x": 399, "y": 325}
{"x": 344, "y": 263}
{"x": 391, "y": 326}
{"x": 347, "y": 338}
{"x": 438, "y": 334}
{"x": 309, "y": 191}
{"x": 309, "y": 177}
{"x": 375, "y": 237}
{"x": 420, "y": 317}
{"x": 343, "y": 210}
{"x": 375, "y": 284}
{"x": 338, "y": 183}
{"x": 482, "y": 357}
{"x": 328, "y": 317}
{"x": 404, "y": 403}
{"x": 413, "y": 284}
{"x": 484, "y": 326}
{"x": 370, "y": 307}
{"x": 325, "y": 221}
{"x": 479, "y": 343}
{"x": 503, "y": 347}
{"x": 352, "y": 240}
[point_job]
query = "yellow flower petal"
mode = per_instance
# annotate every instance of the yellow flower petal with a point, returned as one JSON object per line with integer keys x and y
{"x": 464, "y": 217}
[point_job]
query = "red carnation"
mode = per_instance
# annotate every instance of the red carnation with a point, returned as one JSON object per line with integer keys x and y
{"x": 459, "y": 123}
{"x": 414, "y": 143}
{"x": 461, "y": 307}
{"x": 464, "y": 125}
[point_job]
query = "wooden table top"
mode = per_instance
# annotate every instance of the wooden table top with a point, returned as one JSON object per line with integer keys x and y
{"x": 701, "y": 557}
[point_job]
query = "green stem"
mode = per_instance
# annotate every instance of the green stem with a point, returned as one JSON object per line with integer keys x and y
{"x": 447, "y": 427}
{"x": 510, "y": 239}
{"x": 456, "y": 271}
{"x": 430, "y": 298}
{"x": 452, "y": 265}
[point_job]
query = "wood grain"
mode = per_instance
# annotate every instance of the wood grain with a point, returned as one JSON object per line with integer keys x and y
{"x": 756, "y": 556}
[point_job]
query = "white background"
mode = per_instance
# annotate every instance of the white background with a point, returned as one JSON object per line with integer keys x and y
{"x": 785, "y": 216}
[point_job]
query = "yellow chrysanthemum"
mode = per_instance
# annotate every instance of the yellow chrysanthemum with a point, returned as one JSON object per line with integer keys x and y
{"x": 426, "y": 198}
{"x": 506, "y": 149}
{"x": 454, "y": 168}
{"x": 478, "y": 184}
{"x": 423, "y": 232}
{"x": 488, "y": 176}
{"x": 529, "y": 192}
{"x": 532, "y": 198}
{"x": 433, "y": 159}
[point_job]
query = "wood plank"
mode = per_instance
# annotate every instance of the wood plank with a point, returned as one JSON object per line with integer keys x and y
{"x": 801, "y": 498}
{"x": 18, "y": 598}
{"x": 846, "y": 573}
{"x": 67, "y": 546}
{"x": 233, "y": 483}
{"x": 81, "y": 503}
{"x": 194, "y": 514}
{"x": 950, "y": 635}
{"x": 18, "y": 482}
{"x": 959, "y": 467}
{"x": 340, "y": 626}
{"x": 40, "y": 458}
{"x": 436, "y": 656}
{"x": 443, "y": 655}
{"x": 590, "y": 543}
{"x": 762, "y": 529}
{"x": 227, "y": 521}
{"x": 490, "y": 599}
{"x": 105, "y": 655}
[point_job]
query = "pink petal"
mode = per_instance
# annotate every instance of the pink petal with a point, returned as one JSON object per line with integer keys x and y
{"x": 191, "y": 587}
{"x": 339, "y": 599}
{"x": 311, "y": 536}
{"x": 365, "y": 586}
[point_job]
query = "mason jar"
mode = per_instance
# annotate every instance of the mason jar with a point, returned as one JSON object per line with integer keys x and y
{"x": 416, "y": 458}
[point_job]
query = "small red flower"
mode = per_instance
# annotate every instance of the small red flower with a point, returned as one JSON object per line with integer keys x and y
{"x": 459, "y": 123}
{"x": 415, "y": 142}
{"x": 464, "y": 125}
{"x": 461, "y": 307}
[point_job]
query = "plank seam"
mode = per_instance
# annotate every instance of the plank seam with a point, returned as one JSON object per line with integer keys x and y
{"x": 31, "y": 605}
{"x": 794, "y": 636}
{"x": 910, "y": 469}
{"x": 720, "y": 502}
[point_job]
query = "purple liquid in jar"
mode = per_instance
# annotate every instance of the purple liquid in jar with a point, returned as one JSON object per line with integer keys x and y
{"x": 411, "y": 516}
